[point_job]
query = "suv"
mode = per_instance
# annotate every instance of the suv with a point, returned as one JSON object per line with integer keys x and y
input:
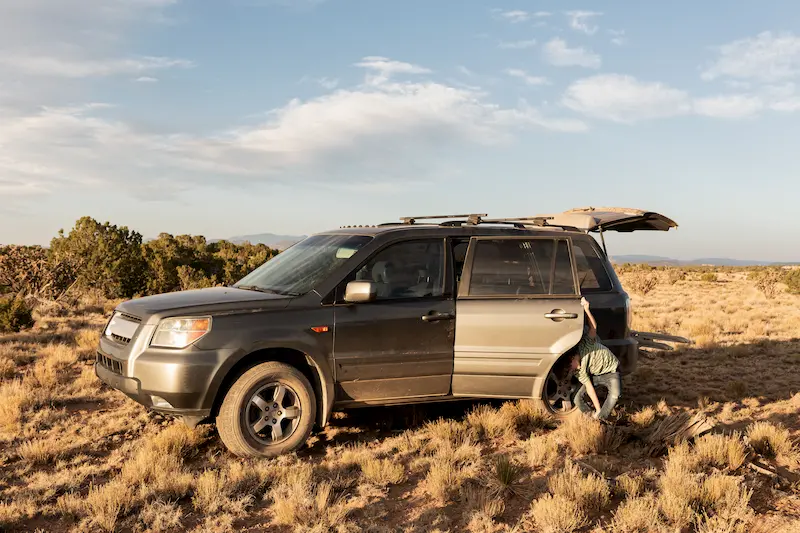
{"x": 409, "y": 312}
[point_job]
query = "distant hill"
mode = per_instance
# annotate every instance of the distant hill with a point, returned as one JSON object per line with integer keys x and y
{"x": 656, "y": 260}
{"x": 278, "y": 242}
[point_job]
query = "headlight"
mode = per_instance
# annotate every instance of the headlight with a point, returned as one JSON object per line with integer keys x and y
{"x": 180, "y": 332}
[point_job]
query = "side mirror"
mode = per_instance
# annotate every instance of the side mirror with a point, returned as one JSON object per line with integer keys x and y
{"x": 360, "y": 292}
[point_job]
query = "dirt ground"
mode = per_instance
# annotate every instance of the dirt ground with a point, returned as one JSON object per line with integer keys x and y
{"x": 76, "y": 456}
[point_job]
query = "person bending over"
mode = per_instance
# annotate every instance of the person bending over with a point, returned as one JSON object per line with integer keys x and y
{"x": 595, "y": 365}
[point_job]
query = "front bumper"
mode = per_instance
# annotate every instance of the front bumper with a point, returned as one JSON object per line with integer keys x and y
{"x": 627, "y": 351}
{"x": 178, "y": 382}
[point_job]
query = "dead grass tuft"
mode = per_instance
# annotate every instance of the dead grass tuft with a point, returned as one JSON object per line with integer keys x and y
{"x": 722, "y": 451}
{"x": 541, "y": 451}
{"x": 383, "y": 472}
{"x": 14, "y": 396}
{"x": 641, "y": 282}
{"x": 159, "y": 516}
{"x": 589, "y": 491}
{"x": 40, "y": 451}
{"x": 644, "y": 418}
{"x": 680, "y": 491}
{"x": 7, "y": 368}
{"x": 770, "y": 440}
{"x": 557, "y": 514}
{"x": 638, "y": 514}
{"x": 308, "y": 506}
{"x": 583, "y": 434}
{"x": 526, "y": 417}
{"x": 630, "y": 484}
{"x": 486, "y": 422}
{"x": 106, "y": 503}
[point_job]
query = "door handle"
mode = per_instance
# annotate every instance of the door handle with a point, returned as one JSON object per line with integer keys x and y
{"x": 558, "y": 314}
{"x": 433, "y": 317}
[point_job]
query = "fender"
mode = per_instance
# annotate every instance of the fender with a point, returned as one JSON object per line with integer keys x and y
{"x": 315, "y": 355}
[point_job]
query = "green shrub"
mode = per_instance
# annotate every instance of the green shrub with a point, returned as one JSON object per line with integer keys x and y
{"x": 766, "y": 280}
{"x": 792, "y": 280}
{"x": 710, "y": 277}
{"x": 15, "y": 315}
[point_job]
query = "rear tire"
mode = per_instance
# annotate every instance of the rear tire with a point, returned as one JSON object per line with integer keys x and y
{"x": 270, "y": 410}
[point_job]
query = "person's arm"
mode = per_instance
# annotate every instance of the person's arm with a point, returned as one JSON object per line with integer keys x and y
{"x": 586, "y": 380}
{"x": 592, "y": 322}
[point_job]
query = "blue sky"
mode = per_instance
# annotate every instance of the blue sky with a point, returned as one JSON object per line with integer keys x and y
{"x": 228, "y": 117}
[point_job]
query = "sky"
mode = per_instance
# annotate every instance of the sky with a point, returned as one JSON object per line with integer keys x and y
{"x": 231, "y": 117}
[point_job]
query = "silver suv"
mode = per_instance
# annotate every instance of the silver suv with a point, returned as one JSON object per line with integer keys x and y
{"x": 424, "y": 310}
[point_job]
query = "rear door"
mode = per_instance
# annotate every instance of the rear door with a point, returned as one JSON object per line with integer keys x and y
{"x": 518, "y": 310}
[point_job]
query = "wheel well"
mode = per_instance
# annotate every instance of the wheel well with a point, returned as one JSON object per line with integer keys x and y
{"x": 294, "y": 358}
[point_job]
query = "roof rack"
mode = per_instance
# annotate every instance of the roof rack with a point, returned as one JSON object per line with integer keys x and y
{"x": 541, "y": 222}
{"x": 472, "y": 218}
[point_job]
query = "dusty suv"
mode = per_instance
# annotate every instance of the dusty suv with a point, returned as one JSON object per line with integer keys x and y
{"x": 427, "y": 309}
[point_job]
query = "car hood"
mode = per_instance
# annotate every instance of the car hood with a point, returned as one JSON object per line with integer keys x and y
{"x": 221, "y": 299}
{"x": 610, "y": 219}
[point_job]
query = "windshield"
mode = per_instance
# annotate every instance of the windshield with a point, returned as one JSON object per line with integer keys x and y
{"x": 298, "y": 269}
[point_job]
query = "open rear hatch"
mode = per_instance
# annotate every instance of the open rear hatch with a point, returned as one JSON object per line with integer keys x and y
{"x": 600, "y": 219}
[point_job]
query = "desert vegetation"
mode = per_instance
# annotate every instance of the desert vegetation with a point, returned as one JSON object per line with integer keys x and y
{"x": 78, "y": 456}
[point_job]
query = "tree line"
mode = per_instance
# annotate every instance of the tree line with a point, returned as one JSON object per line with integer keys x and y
{"x": 117, "y": 263}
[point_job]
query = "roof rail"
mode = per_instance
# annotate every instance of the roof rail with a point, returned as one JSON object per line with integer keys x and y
{"x": 541, "y": 222}
{"x": 472, "y": 218}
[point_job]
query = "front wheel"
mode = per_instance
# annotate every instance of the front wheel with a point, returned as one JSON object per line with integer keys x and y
{"x": 270, "y": 410}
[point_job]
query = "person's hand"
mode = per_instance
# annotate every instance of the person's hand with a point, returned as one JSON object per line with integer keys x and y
{"x": 596, "y": 415}
{"x": 585, "y": 303}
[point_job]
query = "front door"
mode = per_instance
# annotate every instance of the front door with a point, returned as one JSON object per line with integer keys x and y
{"x": 400, "y": 345}
{"x": 518, "y": 311}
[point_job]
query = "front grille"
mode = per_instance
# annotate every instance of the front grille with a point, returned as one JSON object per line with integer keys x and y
{"x": 110, "y": 364}
{"x": 129, "y": 317}
{"x": 121, "y": 339}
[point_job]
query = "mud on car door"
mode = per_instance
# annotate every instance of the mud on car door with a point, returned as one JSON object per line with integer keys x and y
{"x": 518, "y": 310}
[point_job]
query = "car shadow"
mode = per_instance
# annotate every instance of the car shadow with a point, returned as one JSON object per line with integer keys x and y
{"x": 698, "y": 376}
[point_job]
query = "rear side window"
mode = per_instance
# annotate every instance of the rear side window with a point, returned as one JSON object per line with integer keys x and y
{"x": 592, "y": 275}
{"x": 519, "y": 267}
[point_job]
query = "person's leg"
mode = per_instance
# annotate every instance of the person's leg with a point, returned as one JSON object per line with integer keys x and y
{"x": 580, "y": 401}
{"x": 614, "y": 386}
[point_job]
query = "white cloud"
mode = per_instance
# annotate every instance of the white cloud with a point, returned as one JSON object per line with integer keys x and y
{"x": 328, "y": 83}
{"x": 527, "y": 78}
{"x": 146, "y": 79}
{"x": 767, "y": 57}
{"x": 580, "y": 21}
{"x": 556, "y": 52}
{"x": 625, "y": 99}
{"x": 379, "y": 128}
{"x": 515, "y": 16}
{"x": 465, "y": 71}
{"x": 85, "y": 68}
{"x": 517, "y": 45}
{"x": 729, "y": 106}
{"x": 386, "y": 68}
{"x": 618, "y": 37}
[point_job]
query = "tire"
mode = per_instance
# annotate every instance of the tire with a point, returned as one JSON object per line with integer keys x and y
{"x": 254, "y": 422}
{"x": 559, "y": 385}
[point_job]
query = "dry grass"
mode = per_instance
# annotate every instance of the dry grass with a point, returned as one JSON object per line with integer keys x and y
{"x": 590, "y": 492}
{"x": 771, "y": 440}
{"x": 638, "y": 514}
{"x": 583, "y": 434}
{"x": 383, "y": 472}
{"x": 81, "y": 457}
{"x": 722, "y": 451}
{"x": 542, "y": 451}
{"x": 557, "y": 514}
{"x": 644, "y": 417}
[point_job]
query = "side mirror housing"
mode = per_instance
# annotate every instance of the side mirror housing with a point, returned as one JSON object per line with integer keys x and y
{"x": 360, "y": 292}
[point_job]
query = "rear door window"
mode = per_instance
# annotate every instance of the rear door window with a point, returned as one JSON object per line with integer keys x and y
{"x": 521, "y": 267}
{"x": 592, "y": 274}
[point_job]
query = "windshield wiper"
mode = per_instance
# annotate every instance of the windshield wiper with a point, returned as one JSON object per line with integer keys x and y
{"x": 255, "y": 288}
{"x": 265, "y": 290}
